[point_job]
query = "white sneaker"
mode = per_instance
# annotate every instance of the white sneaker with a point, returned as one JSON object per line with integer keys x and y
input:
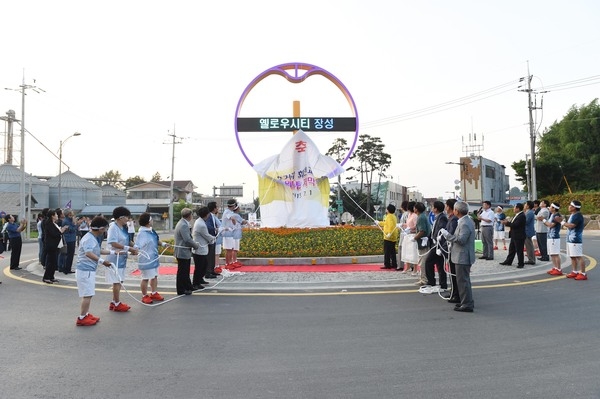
{"x": 426, "y": 289}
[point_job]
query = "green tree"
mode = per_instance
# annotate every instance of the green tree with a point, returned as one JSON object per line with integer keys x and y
{"x": 337, "y": 152}
{"x": 568, "y": 152}
{"x": 156, "y": 177}
{"x": 134, "y": 181}
{"x": 371, "y": 159}
{"x": 112, "y": 177}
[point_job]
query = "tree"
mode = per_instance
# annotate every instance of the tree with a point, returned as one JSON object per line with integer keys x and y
{"x": 568, "y": 151}
{"x": 156, "y": 177}
{"x": 371, "y": 159}
{"x": 337, "y": 151}
{"x": 112, "y": 177}
{"x": 134, "y": 181}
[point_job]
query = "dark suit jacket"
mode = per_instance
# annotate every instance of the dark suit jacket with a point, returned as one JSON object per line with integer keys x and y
{"x": 52, "y": 235}
{"x": 517, "y": 227}
{"x": 440, "y": 222}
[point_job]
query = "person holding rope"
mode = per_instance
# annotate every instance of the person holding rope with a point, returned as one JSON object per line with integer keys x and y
{"x": 232, "y": 233}
{"x": 214, "y": 250}
{"x": 88, "y": 259}
{"x": 148, "y": 261}
{"x": 410, "y": 254}
{"x": 553, "y": 224}
{"x": 421, "y": 237}
{"x": 462, "y": 252}
{"x": 390, "y": 237}
{"x": 451, "y": 227}
{"x": 434, "y": 258}
{"x": 184, "y": 243}
{"x": 201, "y": 254}
{"x": 574, "y": 227}
{"x": 118, "y": 242}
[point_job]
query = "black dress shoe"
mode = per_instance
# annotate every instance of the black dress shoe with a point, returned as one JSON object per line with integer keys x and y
{"x": 544, "y": 259}
{"x": 16, "y": 268}
{"x": 47, "y": 281}
{"x": 187, "y": 292}
{"x": 454, "y": 300}
{"x": 520, "y": 266}
{"x": 210, "y": 276}
{"x": 463, "y": 309}
{"x": 505, "y": 263}
{"x": 197, "y": 287}
{"x": 399, "y": 269}
{"x": 483, "y": 257}
{"x": 530, "y": 263}
{"x": 54, "y": 280}
{"x": 385, "y": 267}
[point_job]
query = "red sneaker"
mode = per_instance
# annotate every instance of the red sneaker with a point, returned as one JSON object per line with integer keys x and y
{"x": 551, "y": 271}
{"x": 93, "y": 317}
{"x": 157, "y": 297}
{"x": 496, "y": 248}
{"x": 556, "y": 272}
{"x": 505, "y": 247}
{"x": 121, "y": 307}
{"x": 86, "y": 321}
{"x": 537, "y": 252}
{"x": 572, "y": 275}
{"x": 581, "y": 276}
{"x": 147, "y": 299}
{"x": 218, "y": 270}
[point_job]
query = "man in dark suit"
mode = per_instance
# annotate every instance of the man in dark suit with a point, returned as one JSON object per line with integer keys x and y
{"x": 462, "y": 253}
{"x": 433, "y": 258}
{"x": 517, "y": 237}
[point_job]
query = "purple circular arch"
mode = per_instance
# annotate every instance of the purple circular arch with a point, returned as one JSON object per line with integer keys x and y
{"x": 296, "y": 67}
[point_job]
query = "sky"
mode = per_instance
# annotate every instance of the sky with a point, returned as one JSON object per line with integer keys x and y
{"x": 424, "y": 76}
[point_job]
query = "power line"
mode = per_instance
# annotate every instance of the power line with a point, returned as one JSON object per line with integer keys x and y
{"x": 468, "y": 99}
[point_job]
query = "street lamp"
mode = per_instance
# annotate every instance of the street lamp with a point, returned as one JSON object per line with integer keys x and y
{"x": 463, "y": 176}
{"x": 60, "y": 162}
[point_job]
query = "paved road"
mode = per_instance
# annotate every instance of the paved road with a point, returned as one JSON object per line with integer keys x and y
{"x": 524, "y": 340}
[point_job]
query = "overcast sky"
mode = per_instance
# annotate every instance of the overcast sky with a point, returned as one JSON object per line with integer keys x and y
{"x": 423, "y": 75}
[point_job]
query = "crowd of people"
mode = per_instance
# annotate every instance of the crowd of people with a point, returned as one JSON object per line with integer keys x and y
{"x": 447, "y": 239}
{"x": 425, "y": 245}
{"x": 60, "y": 234}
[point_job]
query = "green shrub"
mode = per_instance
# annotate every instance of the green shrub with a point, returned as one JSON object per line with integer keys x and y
{"x": 315, "y": 242}
{"x": 305, "y": 242}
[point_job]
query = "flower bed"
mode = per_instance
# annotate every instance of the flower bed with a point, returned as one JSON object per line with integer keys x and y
{"x": 304, "y": 242}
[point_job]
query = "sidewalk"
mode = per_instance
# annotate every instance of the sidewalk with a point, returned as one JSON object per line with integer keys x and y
{"x": 249, "y": 280}
{"x": 483, "y": 271}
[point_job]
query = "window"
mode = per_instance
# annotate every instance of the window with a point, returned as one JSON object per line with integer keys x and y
{"x": 490, "y": 172}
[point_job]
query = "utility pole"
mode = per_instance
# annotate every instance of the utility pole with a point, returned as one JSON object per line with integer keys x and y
{"x": 175, "y": 140}
{"x": 22, "y": 89}
{"x": 532, "y": 135}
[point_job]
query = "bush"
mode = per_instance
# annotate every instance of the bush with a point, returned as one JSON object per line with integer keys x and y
{"x": 315, "y": 242}
{"x": 305, "y": 242}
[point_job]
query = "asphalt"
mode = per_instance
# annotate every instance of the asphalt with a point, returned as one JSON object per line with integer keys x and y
{"x": 483, "y": 272}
